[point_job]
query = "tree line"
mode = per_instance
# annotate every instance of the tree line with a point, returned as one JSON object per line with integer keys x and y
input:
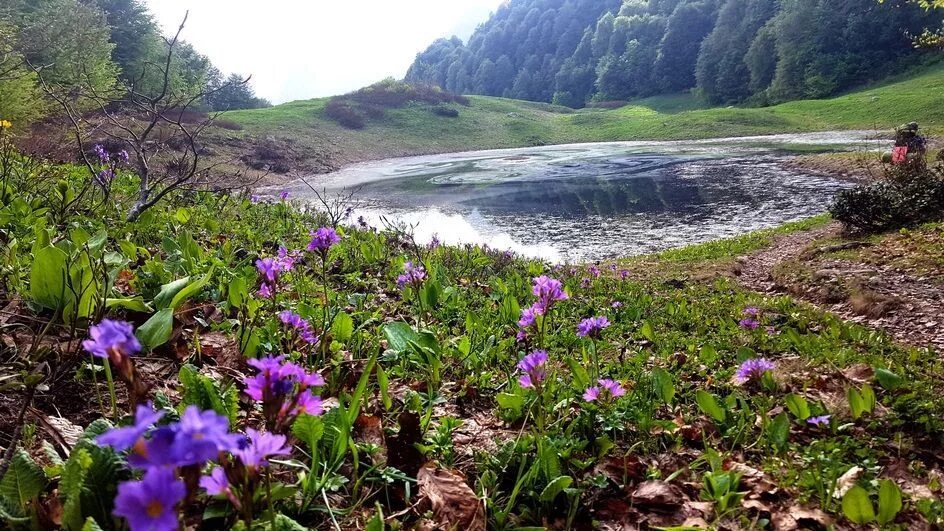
{"x": 87, "y": 49}
{"x": 573, "y": 52}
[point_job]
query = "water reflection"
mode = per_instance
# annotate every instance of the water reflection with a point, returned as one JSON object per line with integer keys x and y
{"x": 586, "y": 202}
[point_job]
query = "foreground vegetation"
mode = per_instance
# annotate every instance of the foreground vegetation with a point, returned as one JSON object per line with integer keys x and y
{"x": 299, "y": 135}
{"x": 421, "y": 385}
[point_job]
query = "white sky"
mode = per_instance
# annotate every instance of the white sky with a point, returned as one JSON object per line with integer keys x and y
{"x": 299, "y": 49}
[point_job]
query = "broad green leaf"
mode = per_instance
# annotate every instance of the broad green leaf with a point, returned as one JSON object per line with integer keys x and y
{"x": 182, "y": 216}
{"x": 888, "y": 379}
{"x": 376, "y": 523}
{"x": 23, "y": 481}
{"x": 857, "y": 507}
{"x": 579, "y": 372}
{"x": 238, "y": 292}
{"x": 868, "y": 398}
{"x": 190, "y": 290}
{"x": 134, "y": 304}
{"x": 662, "y": 383}
{"x": 647, "y": 332}
{"x": 71, "y": 486}
{"x": 399, "y": 336}
{"x": 709, "y": 405}
{"x": 510, "y": 402}
{"x": 889, "y": 501}
{"x": 48, "y": 278}
{"x": 856, "y": 402}
{"x": 555, "y": 487}
{"x": 779, "y": 430}
{"x": 383, "y": 381}
{"x": 343, "y": 327}
{"x": 169, "y": 291}
{"x": 157, "y": 330}
{"x": 798, "y": 406}
{"x": 309, "y": 429}
{"x": 91, "y": 525}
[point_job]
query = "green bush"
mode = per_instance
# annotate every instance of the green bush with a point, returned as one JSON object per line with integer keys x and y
{"x": 892, "y": 203}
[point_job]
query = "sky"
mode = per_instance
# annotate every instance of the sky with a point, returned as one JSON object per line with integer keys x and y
{"x": 300, "y": 49}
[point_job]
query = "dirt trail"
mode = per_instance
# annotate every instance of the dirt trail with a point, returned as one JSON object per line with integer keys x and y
{"x": 909, "y": 308}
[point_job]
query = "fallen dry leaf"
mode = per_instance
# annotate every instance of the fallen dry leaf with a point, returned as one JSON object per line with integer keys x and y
{"x": 367, "y": 429}
{"x": 846, "y": 481}
{"x": 454, "y": 504}
{"x": 657, "y": 494}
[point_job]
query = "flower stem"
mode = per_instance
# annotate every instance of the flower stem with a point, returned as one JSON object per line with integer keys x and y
{"x": 111, "y": 390}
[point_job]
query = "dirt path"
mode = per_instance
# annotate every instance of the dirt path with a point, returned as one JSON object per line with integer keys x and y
{"x": 907, "y": 306}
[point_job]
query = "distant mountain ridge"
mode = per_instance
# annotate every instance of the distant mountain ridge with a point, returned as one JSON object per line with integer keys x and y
{"x": 572, "y": 52}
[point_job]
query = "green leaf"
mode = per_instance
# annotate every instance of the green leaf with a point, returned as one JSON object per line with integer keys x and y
{"x": 190, "y": 290}
{"x": 182, "y": 216}
{"x": 48, "y": 278}
{"x": 662, "y": 383}
{"x": 857, "y": 507}
{"x": 71, "y": 487}
{"x": 868, "y": 398}
{"x": 779, "y": 430}
{"x": 647, "y": 332}
{"x": 343, "y": 327}
{"x": 383, "y": 381}
{"x": 23, "y": 481}
{"x": 709, "y": 405}
{"x": 91, "y": 525}
{"x": 888, "y": 379}
{"x": 238, "y": 292}
{"x": 309, "y": 429}
{"x": 581, "y": 378}
{"x": 134, "y": 304}
{"x": 399, "y": 336}
{"x": 555, "y": 487}
{"x": 889, "y": 501}
{"x": 376, "y": 523}
{"x": 511, "y": 402}
{"x": 169, "y": 291}
{"x": 856, "y": 402}
{"x": 157, "y": 330}
{"x": 798, "y": 406}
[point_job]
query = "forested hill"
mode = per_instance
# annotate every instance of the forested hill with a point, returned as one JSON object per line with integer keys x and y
{"x": 766, "y": 51}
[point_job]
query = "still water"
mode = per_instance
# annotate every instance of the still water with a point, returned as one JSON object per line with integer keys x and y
{"x": 585, "y": 202}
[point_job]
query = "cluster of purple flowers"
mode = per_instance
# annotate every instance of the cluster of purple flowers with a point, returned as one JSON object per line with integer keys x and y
{"x": 592, "y": 327}
{"x": 113, "y": 340}
{"x": 106, "y": 157}
{"x": 533, "y": 367}
{"x": 822, "y": 420}
{"x": 750, "y": 320}
{"x": 253, "y": 456}
{"x": 270, "y": 269}
{"x": 301, "y": 326}
{"x": 413, "y": 275}
{"x": 753, "y": 370}
{"x": 605, "y": 391}
{"x": 285, "y": 390}
{"x": 322, "y": 240}
{"x": 283, "y": 195}
{"x": 548, "y": 292}
{"x": 199, "y": 437}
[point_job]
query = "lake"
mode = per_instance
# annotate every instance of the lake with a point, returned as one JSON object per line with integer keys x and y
{"x": 585, "y": 202}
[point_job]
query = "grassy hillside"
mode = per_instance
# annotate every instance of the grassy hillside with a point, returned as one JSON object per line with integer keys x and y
{"x": 315, "y": 142}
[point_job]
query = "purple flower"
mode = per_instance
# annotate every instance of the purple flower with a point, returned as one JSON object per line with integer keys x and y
{"x": 101, "y": 153}
{"x": 753, "y": 369}
{"x": 532, "y": 366}
{"x": 286, "y": 259}
{"x": 548, "y": 291}
{"x": 301, "y": 326}
{"x": 105, "y": 177}
{"x": 412, "y": 274}
{"x": 323, "y": 239}
{"x": 594, "y": 271}
{"x": 123, "y": 438}
{"x": 528, "y": 318}
{"x": 150, "y": 504}
{"x": 593, "y": 326}
{"x": 585, "y": 283}
{"x": 521, "y": 336}
{"x": 606, "y": 390}
{"x": 255, "y": 199}
{"x": 617, "y": 305}
{"x": 112, "y": 339}
{"x": 283, "y": 195}
{"x": 269, "y": 269}
{"x": 434, "y": 243}
{"x": 284, "y": 389}
{"x": 201, "y": 436}
{"x": 749, "y": 323}
{"x": 216, "y": 483}
{"x": 261, "y": 446}
{"x": 624, "y": 274}
{"x": 751, "y": 311}
{"x": 822, "y": 420}
{"x": 122, "y": 156}
{"x": 265, "y": 291}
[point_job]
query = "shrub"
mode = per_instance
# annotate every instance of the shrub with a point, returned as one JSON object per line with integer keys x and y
{"x": 616, "y": 104}
{"x": 341, "y": 112}
{"x": 892, "y": 203}
{"x": 448, "y": 112}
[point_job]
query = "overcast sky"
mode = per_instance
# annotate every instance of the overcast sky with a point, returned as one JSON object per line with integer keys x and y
{"x": 299, "y": 49}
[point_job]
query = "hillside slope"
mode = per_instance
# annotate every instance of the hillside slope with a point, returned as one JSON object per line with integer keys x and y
{"x": 300, "y": 137}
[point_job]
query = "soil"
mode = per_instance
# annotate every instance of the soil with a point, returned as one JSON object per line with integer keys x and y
{"x": 904, "y": 302}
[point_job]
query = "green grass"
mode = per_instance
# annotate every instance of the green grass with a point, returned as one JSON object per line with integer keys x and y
{"x": 500, "y": 123}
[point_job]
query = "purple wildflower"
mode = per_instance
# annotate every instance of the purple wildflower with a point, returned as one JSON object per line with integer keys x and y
{"x": 412, "y": 274}
{"x": 269, "y": 269}
{"x": 150, "y": 504}
{"x": 123, "y": 438}
{"x": 261, "y": 445}
{"x": 528, "y": 318}
{"x": 532, "y": 366}
{"x": 284, "y": 389}
{"x": 283, "y": 195}
{"x": 265, "y": 291}
{"x": 585, "y": 283}
{"x": 521, "y": 336}
{"x": 749, "y": 323}
{"x": 112, "y": 339}
{"x": 753, "y": 369}
{"x": 594, "y": 271}
{"x": 624, "y": 274}
{"x": 548, "y": 291}
{"x": 201, "y": 436}
{"x": 216, "y": 483}
{"x": 105, "y": 177}
{"x": 592, "y": 327}
{"x": 617, "y": 305}
{"x": 607, "y": 389}
{"x": 822, "y": 420}
{"x": 323, "y": 239}
{"x": 751, "y": 311}
{"x": 255, "y": 199}
{"x": 122, "y": 156}
{"x": 101, "y": 153}
{"x": 286, "y": 259}
{"x": 301, "y": 326}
